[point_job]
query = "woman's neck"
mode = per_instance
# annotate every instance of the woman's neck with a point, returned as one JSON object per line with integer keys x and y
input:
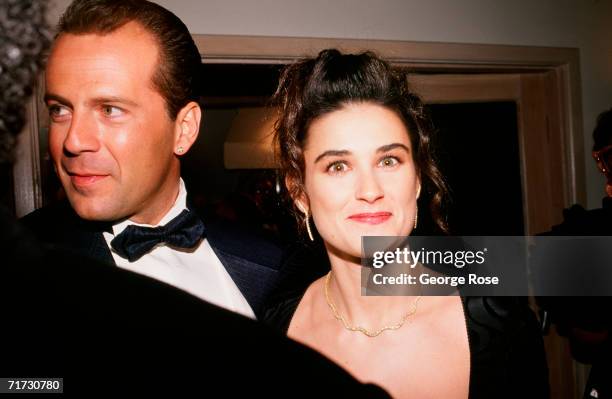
{"x": 345, "y": 292}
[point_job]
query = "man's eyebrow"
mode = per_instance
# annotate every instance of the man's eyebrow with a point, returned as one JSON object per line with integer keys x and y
{"x": 392, "y": 146}
{"x": 54, "y": 97}
{"x": 331, "y": 153}
{"x": 112, "y": 99}
{"x": 95, "y": 101}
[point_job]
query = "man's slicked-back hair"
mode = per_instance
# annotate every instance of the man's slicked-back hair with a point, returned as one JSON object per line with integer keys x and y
{"x": 176, "y": 76}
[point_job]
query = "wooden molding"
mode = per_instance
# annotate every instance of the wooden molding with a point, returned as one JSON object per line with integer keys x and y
{"x": 27, "y": 183}
{"x": 224, "y": 48}
{"x": 449, "y": 88}
{"x": 449, "y": 59}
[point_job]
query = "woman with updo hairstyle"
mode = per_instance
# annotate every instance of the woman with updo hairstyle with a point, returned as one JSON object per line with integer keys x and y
{"x": 354, "y": 148}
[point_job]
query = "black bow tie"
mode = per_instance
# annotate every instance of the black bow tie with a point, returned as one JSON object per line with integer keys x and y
{"x": 184, "y": 231}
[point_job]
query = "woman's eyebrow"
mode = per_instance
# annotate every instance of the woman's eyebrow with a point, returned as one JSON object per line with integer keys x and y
{"x": 392, "y": 146}
{"x": 331, "y": 153}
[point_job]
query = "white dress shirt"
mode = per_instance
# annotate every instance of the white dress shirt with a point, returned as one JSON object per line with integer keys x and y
{"x": 196, "y": 270}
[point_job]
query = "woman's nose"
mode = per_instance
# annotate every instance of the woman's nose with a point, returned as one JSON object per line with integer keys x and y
{"x": 369, "y": 188}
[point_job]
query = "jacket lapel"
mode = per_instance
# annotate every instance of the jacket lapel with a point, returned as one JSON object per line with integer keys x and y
{"x": 255, "y": 281}
{"x": 252, "y": 262}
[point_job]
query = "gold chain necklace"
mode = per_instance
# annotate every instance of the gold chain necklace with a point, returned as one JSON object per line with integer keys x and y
{"x": 363, "y": 330}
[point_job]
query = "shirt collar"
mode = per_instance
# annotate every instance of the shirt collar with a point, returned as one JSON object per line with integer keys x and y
{"x": 179, "y": 205}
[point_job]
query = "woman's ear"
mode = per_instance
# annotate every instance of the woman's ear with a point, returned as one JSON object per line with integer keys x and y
{"x": 301, "y": 200}
{"x": 418, "y": 193}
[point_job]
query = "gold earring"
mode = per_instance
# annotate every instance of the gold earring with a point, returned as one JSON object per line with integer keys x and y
{"x": 180, "y": 149}
{"x": 416, "y": 216}
{"x": 307, "y": 217}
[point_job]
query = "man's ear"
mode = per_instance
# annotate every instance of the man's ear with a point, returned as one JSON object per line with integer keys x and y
{"x": 187, "y": 127}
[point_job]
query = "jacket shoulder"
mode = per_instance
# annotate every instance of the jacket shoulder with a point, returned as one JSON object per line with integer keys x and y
{"x": 49, "y": 218}
{"x": 60, "y": 226}
{"x": 249, "y": 244}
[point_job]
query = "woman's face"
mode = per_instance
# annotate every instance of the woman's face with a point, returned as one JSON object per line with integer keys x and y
{"x": 360, "y": 177}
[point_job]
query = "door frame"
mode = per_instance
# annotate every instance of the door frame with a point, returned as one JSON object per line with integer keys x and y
{"x": 550, "y": 127}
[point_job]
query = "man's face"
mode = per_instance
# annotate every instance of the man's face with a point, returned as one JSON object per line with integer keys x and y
{"x": 110, "y": 137}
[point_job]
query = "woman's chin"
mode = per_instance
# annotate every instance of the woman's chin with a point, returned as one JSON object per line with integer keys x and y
{"x": 382, "y": 231}
{"x": 347, "y": 251}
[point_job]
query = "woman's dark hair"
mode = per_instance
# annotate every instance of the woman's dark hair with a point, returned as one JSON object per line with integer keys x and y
{"x": 176, "y": 76}
{"x": 24, "y": 38}
{"x": 314, "y": 87}
{"x": 602, "y": 135}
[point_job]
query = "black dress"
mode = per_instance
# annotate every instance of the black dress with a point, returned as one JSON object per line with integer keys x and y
{"x": 506, "y": 348}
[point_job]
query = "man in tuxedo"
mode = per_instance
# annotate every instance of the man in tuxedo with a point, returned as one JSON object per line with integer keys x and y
{"x": 122, "y": 86}
{"x": 107, "y": 330}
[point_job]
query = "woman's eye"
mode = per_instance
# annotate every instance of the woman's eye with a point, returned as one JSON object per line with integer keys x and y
{"x": 337, "y": 167}
{"x": 389, "y": 161}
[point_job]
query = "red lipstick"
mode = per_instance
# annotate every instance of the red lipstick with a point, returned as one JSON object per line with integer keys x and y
{"x": 371, "y": 217}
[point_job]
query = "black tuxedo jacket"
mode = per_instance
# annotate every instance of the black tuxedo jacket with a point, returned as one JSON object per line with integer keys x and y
{"x": 253, "y": 262}
{"x": 108, "y": 331}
